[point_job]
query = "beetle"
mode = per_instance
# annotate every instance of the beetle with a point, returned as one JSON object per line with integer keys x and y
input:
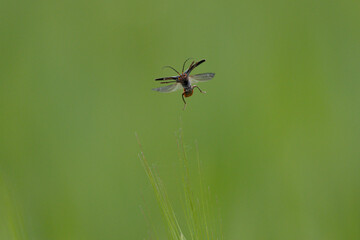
{"x": 184, "y": 80}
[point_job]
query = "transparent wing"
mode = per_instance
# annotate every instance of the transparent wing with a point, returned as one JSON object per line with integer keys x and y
{"x": 202, "y": 77}
{"x": 168, "y": 88}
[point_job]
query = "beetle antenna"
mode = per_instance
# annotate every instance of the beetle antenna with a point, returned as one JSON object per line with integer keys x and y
{"x": 185, "y": 63}
{"x": 172, "y": 69}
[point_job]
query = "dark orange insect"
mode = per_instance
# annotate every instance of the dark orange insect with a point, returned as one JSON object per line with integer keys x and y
{"x": 184, "y": 80}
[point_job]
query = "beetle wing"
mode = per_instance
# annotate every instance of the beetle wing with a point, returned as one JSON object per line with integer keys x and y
{"x": 167, "y": 78}
{"x": 202, "y": 77}
{"x": 168, "y": 88}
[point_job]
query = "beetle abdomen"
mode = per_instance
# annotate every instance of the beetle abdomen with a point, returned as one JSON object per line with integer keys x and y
{"x": 188, "y": 93}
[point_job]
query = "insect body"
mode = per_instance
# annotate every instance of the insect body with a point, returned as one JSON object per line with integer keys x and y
{"x": 184, "y": 80}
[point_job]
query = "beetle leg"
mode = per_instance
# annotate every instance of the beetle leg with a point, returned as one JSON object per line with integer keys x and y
{"x": 199, "y": 89}
{"x": 182, "y": 95}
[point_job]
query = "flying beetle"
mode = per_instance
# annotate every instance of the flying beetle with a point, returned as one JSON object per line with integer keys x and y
{"x": 184, "y": 80}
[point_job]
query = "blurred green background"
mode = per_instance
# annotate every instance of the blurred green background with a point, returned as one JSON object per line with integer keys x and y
{"x": 278, "y": 130}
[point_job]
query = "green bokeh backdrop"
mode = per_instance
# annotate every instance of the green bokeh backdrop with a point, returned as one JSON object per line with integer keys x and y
{"x": 278, "y": 130}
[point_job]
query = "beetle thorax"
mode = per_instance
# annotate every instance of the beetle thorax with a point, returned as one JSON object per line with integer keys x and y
{"x": 184, "y": 80}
